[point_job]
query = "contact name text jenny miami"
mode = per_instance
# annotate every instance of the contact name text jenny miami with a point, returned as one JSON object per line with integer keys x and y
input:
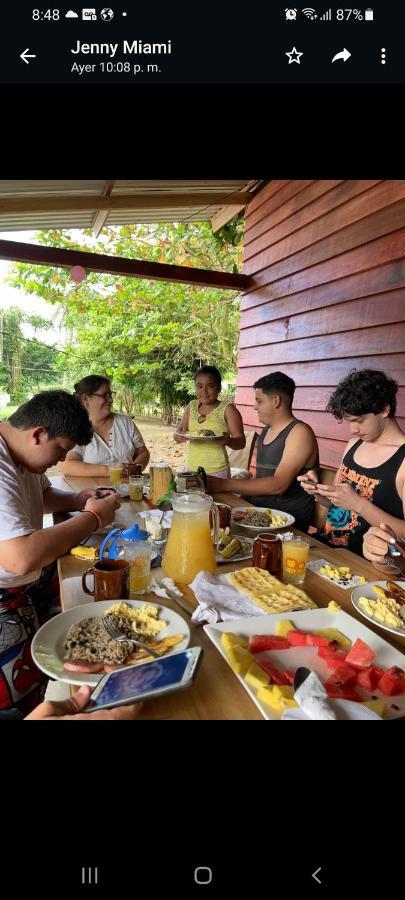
{"x": 136, "y": 48}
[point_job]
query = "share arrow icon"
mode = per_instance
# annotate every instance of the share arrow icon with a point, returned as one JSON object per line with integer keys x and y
{"x": 344, "y": 55}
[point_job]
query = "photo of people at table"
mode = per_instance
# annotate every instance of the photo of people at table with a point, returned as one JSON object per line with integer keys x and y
{"x": 82, "y": 433}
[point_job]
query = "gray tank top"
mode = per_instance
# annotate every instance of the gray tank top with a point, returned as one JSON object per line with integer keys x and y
{"x": 294, "y": 500}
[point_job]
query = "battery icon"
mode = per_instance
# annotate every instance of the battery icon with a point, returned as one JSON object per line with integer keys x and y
{"x": 369, "y": 15}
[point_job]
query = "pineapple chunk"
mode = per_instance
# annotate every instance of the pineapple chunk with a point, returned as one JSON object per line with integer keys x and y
{"x": 276, "y": 698}
{"x": 239, "y": 660}
{"x": 256, "y": 677}
{"x": 333, "y": 634}
{"x": 378, "y": 706}
{"x": 287, "y": 704}
{"x": 90, "y": 553}
{"x": 229, "y": 640}
{"x": 379, "y": 591}
{"x": 266, "y": 695}
{"x": 333, "y": 607}
{"x": 283, "y": 626}
{"x": 283, "y": 691}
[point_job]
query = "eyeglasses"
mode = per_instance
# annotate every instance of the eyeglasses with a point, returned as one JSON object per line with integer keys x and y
{"x": 110, "y": 394}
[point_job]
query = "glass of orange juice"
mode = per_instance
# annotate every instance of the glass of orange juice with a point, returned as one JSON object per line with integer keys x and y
{"x": 140, "y": 565}
{"x": 295, "y": 558}
{"x": 115, "y": 472}
{"x": 135, "y": 488}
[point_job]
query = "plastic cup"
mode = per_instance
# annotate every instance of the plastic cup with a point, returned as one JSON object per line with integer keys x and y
{"x": 135, "y": 488}
{"x": 295, "y": 557}
{"x": 115, "y": 473}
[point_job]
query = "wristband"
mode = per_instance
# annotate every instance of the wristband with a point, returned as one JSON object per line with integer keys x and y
{"x": 96, "y": 516}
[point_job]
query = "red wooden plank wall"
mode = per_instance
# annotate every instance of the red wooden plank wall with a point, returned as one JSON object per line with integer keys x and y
{"x": 328, "y": 259}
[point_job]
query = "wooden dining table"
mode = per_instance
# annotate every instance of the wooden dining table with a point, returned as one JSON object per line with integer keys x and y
{"x": 217, "y": 693}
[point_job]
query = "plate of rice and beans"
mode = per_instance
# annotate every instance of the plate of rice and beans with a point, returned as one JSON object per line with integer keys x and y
{"x": 261, "y": 518}
{"x": 75, "y": 648}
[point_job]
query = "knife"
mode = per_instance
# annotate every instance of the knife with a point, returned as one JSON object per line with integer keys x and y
{"x": 174, "y": 596}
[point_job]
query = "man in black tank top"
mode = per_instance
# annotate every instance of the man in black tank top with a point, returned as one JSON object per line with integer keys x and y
{"x": 286, "y": 448}
{"x": 370, "y": 483}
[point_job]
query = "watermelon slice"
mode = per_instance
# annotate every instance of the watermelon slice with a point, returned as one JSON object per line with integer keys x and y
{"x": 360, "y": 655}
{"x": 392, "y": 681}
{"x": 345, "y": 692}
{"x": 261, "y": 642}
{"x": 333, "y": 658}
{"x": 276, "y": 675}
{"x": 343, "y": 676}
{"x": 369, "y": 678}
{"x": 306, "y": 639}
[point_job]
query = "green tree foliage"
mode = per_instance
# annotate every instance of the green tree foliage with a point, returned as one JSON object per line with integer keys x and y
{"x": 26, "y": 364}
{"x": 148, "y": 336}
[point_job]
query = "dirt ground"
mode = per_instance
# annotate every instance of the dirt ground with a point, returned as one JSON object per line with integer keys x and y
{"x": 159, "y": 441}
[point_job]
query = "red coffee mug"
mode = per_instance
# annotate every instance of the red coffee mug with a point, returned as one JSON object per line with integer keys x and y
{"x": 267, "y": 553}
{"x": 111, "y": 580}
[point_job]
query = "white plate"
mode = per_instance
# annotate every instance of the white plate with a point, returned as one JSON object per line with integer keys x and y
{"x": 47, "y": 645}
{"x": 288, "y": 519}
{"x": 366, "y": 590}
{"x": 344, "y": 709}
{"x": 202, "y": 437}
{"x": 238, "y": 556}
{"x": 123, "y": 490}
{"x": 310, "y": 620}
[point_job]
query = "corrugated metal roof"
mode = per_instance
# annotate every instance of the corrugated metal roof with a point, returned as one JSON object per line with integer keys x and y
{"x": 27, "y": 218}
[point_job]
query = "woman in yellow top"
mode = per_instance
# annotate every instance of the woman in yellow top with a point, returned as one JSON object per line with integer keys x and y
{"x": 210, "y": 414}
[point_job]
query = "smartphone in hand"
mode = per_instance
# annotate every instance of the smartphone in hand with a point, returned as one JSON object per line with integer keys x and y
{"x": 134, "y": 683}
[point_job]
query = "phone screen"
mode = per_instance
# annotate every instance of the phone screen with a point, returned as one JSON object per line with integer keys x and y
{"x": 136, "y": 681}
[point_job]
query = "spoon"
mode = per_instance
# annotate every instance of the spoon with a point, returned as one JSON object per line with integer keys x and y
{"x": 301, "y": 674}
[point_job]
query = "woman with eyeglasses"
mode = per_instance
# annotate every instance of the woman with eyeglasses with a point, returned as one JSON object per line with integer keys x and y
{"x": 115, "y": 438}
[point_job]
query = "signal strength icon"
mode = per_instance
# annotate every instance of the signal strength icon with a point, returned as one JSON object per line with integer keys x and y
{"x": 327, "y": 16}
{"x": 309, "y": 13}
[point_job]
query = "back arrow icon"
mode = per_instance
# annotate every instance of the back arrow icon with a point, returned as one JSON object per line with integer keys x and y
{"x": 344, "y": 54}
{"x": 25, "y": 56}
{"x": 314, "y": 874}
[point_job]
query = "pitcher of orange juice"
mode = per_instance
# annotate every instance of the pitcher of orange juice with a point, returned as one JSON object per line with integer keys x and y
{"x": 190, "y": 547}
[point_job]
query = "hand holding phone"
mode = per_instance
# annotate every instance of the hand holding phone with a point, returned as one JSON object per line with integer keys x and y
{"x": 134, "y": 683}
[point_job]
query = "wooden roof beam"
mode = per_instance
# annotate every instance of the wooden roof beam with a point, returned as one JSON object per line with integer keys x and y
{"x": 101, "y": 217}
{"x": 40, "y": 255}
{"x": 145, "y": 200}
{"x": 227, "y": 213}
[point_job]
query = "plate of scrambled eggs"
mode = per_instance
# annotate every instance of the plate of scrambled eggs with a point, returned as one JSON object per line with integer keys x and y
{"x": 374, "y": 602}
{"x": 156, "y": 624}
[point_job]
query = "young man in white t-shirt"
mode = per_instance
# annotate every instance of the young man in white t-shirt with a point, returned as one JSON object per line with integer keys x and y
{"x": 38, "y": 435}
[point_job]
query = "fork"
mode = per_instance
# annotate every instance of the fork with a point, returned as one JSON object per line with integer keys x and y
{"x": 118, "y": 635}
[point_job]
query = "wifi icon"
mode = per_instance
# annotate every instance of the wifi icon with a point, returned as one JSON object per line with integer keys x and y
{"x": 309, "y": 13}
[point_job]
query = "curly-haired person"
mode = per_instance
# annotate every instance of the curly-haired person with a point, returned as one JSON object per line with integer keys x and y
{"x": 369, "y": 489}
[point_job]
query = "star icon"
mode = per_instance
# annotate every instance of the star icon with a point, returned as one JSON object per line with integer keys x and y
{"x": 294, "y": 56}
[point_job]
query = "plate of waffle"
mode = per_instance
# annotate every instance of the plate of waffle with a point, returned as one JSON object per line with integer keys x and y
{"x": 268, "y": 592}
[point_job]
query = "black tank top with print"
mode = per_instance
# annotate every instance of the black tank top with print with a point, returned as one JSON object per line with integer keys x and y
{"x": 294, "y": 500}
{"x": 345, "y": 528}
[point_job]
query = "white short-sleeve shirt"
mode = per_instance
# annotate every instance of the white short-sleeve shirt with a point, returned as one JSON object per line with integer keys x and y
{"x": 125, "y": 439}
{"x": 21, "y": 508}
